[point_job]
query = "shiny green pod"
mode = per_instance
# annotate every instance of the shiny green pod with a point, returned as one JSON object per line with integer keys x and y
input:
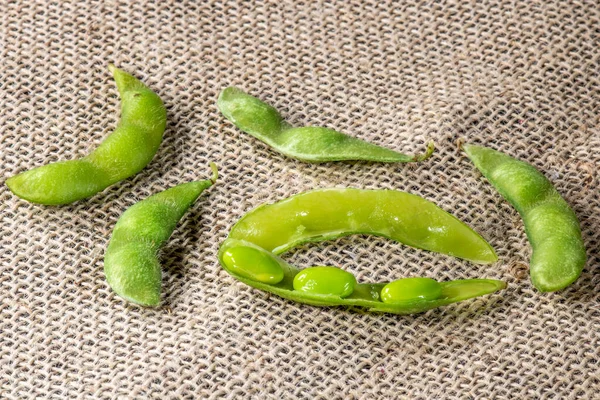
{"x": 310, "y": 144}
{"x": 325, "y": 214}
{"x": 552, "y": 227}
{"x": 131, "y": 264}
{"x": 125, "y": 152}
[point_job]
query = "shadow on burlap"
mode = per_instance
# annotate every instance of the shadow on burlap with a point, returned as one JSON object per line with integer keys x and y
{"x": 521, "y": 77}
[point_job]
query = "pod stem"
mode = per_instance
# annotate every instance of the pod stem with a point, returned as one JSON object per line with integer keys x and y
{"x": 215, "y": 172}
{"x": 427, "y": 154}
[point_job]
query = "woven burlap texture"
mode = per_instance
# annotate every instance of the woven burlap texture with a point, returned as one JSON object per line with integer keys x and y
{"x": 519, "y": 76}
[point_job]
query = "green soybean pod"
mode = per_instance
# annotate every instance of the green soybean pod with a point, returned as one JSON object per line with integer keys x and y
{"x": 131, "y": 263}
{"x": 310, "y": 144}
{"x": 251, "y": 251}
{"x": 326, "y": 214}
{"x": 125, "y": 152}
{"x": 558, "y": 255}
{"x": 330, "y": 286}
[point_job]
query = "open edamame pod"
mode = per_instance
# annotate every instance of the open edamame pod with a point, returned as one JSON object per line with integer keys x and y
{"x": 552, "y": 227}
{"x": 326, "y": 214}
{"x": 125, "y": 152}
{"x": 250, "y": 253}
{"x": 131, "y": 263}
{"x": 311, "y": 143}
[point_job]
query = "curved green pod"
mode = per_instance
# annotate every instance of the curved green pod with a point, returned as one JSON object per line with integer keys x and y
{"x": 552, "y": 227}
{"x": 326, "y": 214}
{"x": 250, "y": 253}
{"x": 125, "y": 152}
{"x": 310, "y": 144}
{"x": 131, "y": 263}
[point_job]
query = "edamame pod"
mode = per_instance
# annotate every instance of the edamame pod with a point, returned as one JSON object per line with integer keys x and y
{"x": 310, "y": 144}
{"x": 552, "y": 227}
{"x": 125, "y": 152}
{"x": 325, "y": 214}
{"x": 368, "y": 295}
{"x": 131, "y": 264}
{"x": 250, "y": 254}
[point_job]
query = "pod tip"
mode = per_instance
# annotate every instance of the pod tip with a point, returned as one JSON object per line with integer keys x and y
{"x": 427, "y": 154}
{"x": 228, "y": 94}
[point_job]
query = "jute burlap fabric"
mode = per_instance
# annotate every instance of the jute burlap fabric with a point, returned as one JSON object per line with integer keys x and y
{"x": 520, "y": 76}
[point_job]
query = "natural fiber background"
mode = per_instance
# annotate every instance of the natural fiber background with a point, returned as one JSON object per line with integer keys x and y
{"x": 520, "y": 76}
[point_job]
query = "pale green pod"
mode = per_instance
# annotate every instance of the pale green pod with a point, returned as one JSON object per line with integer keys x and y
{"x": 310, "y": 143}
{"x": 326, "y": 214}
{"x": 131, "y": 262}
{"x": 125, "y": 152}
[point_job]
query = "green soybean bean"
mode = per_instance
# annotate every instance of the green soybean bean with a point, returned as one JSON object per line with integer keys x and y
{"x": 552, "y": 228}
{"x": 330, "y": 213}
{"x": 253, "y": 264}
{"x": 310, "y": 144}
{"x": 411, "y": 289}
{"x": 131, "y": 263}
{"x": 125, "y": 152}
{"x": 325, "y": 281}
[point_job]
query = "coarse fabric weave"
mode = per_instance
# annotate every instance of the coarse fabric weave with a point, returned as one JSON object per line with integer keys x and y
{"x": 518, "y": 76}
